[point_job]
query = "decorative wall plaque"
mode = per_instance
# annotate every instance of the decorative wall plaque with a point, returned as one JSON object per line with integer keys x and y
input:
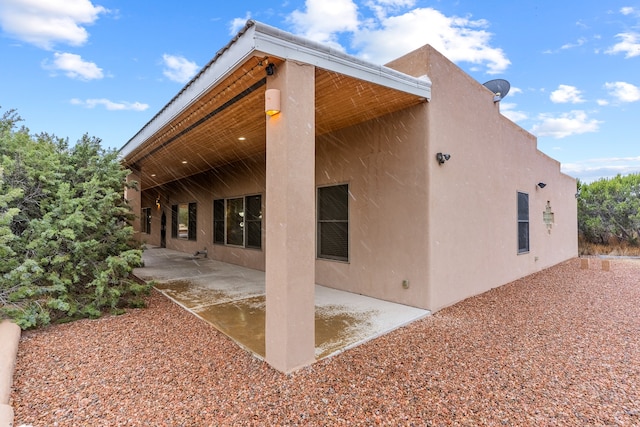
{"x": 547, "y": 217}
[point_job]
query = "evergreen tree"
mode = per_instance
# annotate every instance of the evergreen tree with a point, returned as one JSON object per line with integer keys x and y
{"x": 66, "y": 242}
{"x": 610, "y": 209}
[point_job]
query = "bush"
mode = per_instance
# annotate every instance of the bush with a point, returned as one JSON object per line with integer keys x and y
{"x": 65, "y": 236}
{"x": 609, "y": 211}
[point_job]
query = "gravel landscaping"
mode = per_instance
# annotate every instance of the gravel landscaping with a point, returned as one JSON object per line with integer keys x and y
{"x": 559, "y": 347}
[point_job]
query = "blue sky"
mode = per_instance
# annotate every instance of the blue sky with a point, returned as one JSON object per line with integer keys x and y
{"x": 105, "y": 67}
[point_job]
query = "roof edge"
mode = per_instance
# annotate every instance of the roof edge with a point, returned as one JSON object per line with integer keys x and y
{"x": 259, "y": 38}
{"x": 277, "y": 42}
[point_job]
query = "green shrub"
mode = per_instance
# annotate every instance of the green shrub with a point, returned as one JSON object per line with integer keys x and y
{"x": 65, "y": 236}
{"x": 609, "y": 211}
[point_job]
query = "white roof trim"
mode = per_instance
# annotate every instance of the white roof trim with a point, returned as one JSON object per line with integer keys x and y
{"x": 260, "y": 39}
{"x": 275, "y": 42}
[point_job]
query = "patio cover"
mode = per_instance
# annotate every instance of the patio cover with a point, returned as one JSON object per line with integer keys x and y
{"x": 225, "y": 101}
{"x": 218, "y": 118}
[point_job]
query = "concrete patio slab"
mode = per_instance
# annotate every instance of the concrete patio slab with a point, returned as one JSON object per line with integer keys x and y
{"x": 232, "y": 299}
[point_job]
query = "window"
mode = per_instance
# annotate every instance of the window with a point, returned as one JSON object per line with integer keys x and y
{"x": 218, "y": 221}
{"x": 192, "y": 221}
{"x": 253, "y": 221}
{"x": 238, "y": 221}
{"x": 523, "y": 222}
{"x": 333, "y": 222}
{"x": 235, "y": 222}
{"x": 145, "y": 221}
{"x": 184, "y": 221}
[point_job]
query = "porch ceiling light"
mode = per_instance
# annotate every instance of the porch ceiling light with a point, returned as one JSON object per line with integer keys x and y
{"x": 272, "y": 102}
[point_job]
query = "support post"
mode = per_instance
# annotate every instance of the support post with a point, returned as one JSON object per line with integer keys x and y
{"x": 290, "y": 220}
{"x": 134, "y": 198}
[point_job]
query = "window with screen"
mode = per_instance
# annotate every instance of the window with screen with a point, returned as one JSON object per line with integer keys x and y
{"x": 523, "y": 222}
{"x": 333, "y": 222}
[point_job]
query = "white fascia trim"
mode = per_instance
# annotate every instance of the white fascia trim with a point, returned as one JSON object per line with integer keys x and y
{"x": 275, "y": 42}
{"x": 224, "y": 63}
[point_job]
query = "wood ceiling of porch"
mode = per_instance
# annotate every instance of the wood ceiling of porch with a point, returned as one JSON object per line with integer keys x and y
{"x": 206, "y": 134}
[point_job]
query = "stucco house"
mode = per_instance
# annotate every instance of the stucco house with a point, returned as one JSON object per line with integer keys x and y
{"x": 401, "y": 182}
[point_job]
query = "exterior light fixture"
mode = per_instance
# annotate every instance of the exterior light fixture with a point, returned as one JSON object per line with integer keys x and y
{"x": 270, "y": 69}
{"x": 441, "y": 158}
{"x": 272, "y": 102}
{"x": 542, "y": 184}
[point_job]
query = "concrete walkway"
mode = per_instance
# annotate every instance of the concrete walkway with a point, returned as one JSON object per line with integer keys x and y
{"x": 232, "y": 299}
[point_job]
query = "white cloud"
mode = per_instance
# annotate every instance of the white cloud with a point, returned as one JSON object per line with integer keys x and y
{"x": 459, "y": 39}
{"x": 630, "y": 45}
{"x": 594, "y": 169}
{"x": 628, "y": 10}
{"x": 515, "y": 90}
{"x": 566, "y": 124}
{"x": 623, "y": 92}
{"x": 382, "y": 8}
{"x": 178, "y": 68}
{"x": 566, "y": 94}
{"x": 508, "y": 110}
{"x": 578, "y": 43}
{"x": 44, "y": 23}
{"x": 110, "y": 105}
{"x": 390, "y": 33}
{"x": 323, "y": 19}
{"x": 238, "y": 23}
{"x": 75, "y": 67}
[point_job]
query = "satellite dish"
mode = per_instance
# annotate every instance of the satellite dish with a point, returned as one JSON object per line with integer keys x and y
{"x": 499, "y": 87}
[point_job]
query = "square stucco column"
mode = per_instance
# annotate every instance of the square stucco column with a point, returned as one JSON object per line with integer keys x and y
{"x": 134, "y": 198}
{"x": 290, "y": 220}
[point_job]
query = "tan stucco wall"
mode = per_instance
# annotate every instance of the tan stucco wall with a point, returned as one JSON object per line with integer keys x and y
{"x": 449, "y": 230}
{"x": 473, "y": 216}
{"x": 133, "y": 197}
{"x": 384, "y": 163}
{"x": 236, "y": 180}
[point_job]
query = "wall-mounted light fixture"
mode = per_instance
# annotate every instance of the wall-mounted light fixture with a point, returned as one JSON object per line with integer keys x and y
{"x": 272, "y": 102}
{"x": 270, "y": 69}
{"x": 542, "y": 184}
{"x": 441, "y": 158}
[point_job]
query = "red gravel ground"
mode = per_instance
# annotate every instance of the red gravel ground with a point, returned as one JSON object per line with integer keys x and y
{"x": 557, "y": 348}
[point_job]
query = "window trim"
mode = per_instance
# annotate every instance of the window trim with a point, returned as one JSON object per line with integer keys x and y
{"x": 319, "y": 222}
